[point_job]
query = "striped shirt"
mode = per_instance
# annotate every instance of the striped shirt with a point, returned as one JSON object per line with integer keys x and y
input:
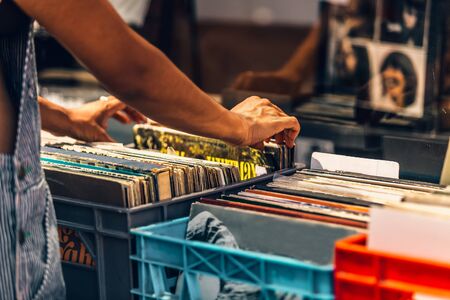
{"x": 29, "y": 252}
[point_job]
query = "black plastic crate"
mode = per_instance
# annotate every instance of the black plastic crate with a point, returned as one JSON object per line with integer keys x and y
{"x": 421, "y": 157}
{"x": 105, "y": 230}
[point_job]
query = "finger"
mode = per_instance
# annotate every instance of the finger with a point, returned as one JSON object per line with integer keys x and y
{"x": 109, "y": 109}
{"x": 259, "y": 146}
{"x": 278, "y": 109}
{"x": 253, "y": 98}
{"x": 264, "y": 102}
{"x": 135, "y": 115}
{"x": 245, "y": 102}
{"x": 292, "y": 137}
{"x": 291, "y": 124}
{"x": 100, "y": 135}
{"x": 287, "y": 139}
{"x": 279, "y": 138}
{"x": 269, "y": 104}
{"x": 292, "y": 134}
{"x": 122, "y": 117}
{"x": 269, "y": 111}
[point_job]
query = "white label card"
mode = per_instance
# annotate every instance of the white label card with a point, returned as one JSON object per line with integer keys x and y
{"x": 372, "y": 167}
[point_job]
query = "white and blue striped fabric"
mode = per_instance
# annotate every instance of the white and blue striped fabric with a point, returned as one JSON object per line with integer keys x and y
{"x": 30, "y": 265}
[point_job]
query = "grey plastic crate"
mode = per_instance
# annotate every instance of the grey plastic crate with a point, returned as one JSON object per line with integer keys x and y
{"x": 105, "y": 230}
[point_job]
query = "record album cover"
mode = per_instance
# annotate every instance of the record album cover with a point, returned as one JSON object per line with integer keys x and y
{"x": 379, "y": 53}
{"x": 72, "y": 248}
{"x": 251, "y": 162}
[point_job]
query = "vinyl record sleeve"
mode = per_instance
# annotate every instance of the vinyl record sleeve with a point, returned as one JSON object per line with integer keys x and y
{"x": 354, "y": 208}
{"x": 146, "y": 176}
{"x": 301, "y": 207}
{"x": 285, "y": 212}
{"x": 251, "y": 162}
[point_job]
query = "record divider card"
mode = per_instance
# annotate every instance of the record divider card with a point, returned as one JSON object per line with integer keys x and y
{"x": 372, "y": 167}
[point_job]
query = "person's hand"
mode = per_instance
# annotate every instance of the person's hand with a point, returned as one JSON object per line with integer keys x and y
{"x": 262, "y": 120}
{"x": 90, "y": 121}
{"x": 277, "y": 82}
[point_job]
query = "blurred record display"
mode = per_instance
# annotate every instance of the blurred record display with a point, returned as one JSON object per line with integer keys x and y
{"x": 380, "y": 54}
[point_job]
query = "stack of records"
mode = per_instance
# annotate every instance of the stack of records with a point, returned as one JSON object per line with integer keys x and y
{"x": 332, "y": 197}
{"x": 115, "y": 175}
{"x": 303, "y": 215}
{"x": 251, "y": 162}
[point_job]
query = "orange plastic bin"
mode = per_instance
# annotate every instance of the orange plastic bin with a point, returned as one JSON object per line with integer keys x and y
{"x": 364, "y": 274}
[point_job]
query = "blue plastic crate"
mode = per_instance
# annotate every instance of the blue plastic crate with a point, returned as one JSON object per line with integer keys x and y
{"x": 164, "y": 246}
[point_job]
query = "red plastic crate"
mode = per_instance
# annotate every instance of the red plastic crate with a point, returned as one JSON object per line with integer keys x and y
{"x": 364, "y": 274}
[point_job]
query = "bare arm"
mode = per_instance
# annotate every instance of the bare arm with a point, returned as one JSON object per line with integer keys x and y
{"x": 53, "y": 117}
{"x": 289, "y": 78}
{"x": 142, "y": 76}
{"x": 303, "y": 59}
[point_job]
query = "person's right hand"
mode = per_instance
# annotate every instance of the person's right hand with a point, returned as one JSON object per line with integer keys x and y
{"x": 277, "y": 82}
{"x": 263, "y": 120}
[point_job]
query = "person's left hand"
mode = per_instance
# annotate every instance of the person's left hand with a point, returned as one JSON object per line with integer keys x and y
{"x": 90, "y": 121}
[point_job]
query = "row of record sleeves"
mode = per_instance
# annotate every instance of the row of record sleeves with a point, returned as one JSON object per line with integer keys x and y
{"x": 121, "y": 176}
{"x": 333, "y": 197}
{"x": 302, "y": 216}
{"x": 113, "y": 174}
{"x": 128, "y": 177}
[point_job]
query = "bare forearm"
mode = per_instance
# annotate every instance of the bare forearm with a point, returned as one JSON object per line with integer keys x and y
{"x": 132, "y": 69}
{"x": 54, "y": 118}
{"x": 166, "y": 95}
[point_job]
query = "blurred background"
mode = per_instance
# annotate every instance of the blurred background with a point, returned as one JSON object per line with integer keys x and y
{"x": 365, "y": 77}
{"x": 212, "y": 41}
{"x": 226, "y": 37}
